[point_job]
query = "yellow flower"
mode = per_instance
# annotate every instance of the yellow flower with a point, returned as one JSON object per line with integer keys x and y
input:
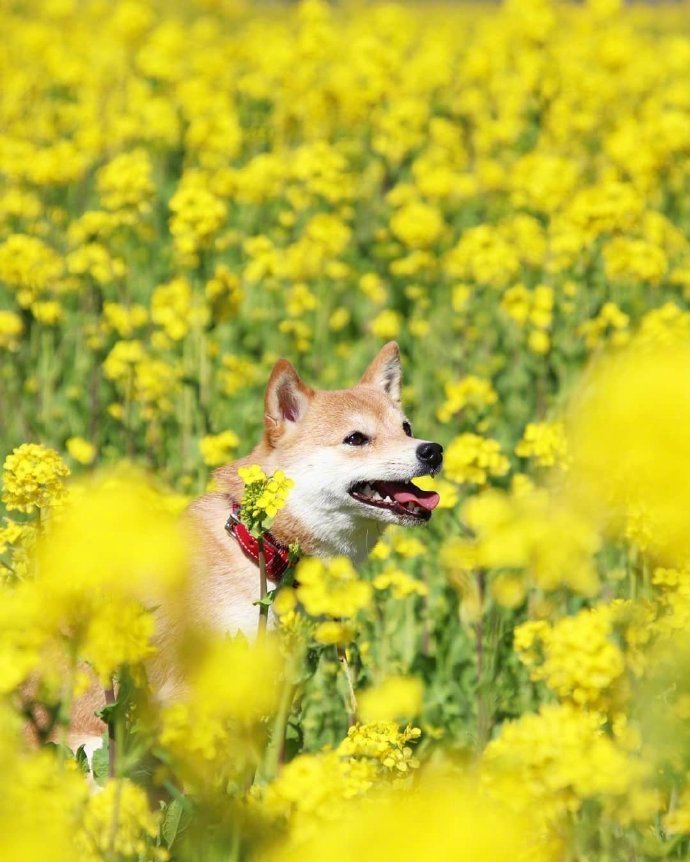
{"x": 579, "y": 658}
{"x": 383, "y": 741}
{"x": 81, "y": 450}
{"x": 634, "y": 260}
{"x": 509, "y": 590}
{"x": 41, "y": 818}
{"x": 33, "y": 477}
{"x": 250, "y": 475}
{"x": 136, "y": 546}
{"x": 29, "y": 267}
{"x": 264, "y": 496}
{"x": 552, "y": 762}
{"x": 471, "y": 458}
{"x": 417, "y": 224}
{"x": 331, "y": 632}
{"x": 407, "y": 546}
{"x": 401, "y": 584}
{"x": 9, "y": 534}
{"x": 118, "y": 819}
{"x": 373, "y": 288}
{"x": 11, "y": 328}
{"x": 49, "y": 312}
{"x": 386, "y": 324}
{"x": 545, "y": 442}
{"x": 396, "y": 698}
{"x": 438, "y": 819}
{"x": 175, "y": 308}
{"x": 338, "y": 320}
{"x": 126, "y": 181}
{"x": 216, "y": 727}
{"x": 218, "y": 449}
{"x": 635, "y": 403}
{"x": 539, "y": 342}
{"x": 530, "y": 530}
{"x": 611, "y": 324}
{"x": 331, "y": 587}
{"x": 197, "y": 215}
{"x": 471, "y": 391}
{"x": 118, "y": 633}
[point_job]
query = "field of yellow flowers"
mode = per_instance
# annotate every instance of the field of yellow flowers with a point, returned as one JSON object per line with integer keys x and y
{"x": 190, "y": 190}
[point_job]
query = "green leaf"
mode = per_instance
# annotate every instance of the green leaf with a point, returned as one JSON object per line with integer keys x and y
{"x": 116, "y": 710}
{"x": 100, "y": 763}
{"x": 267, "y": 600}
{"x": 82, "y": 760}
{"x": 176, "y": 820}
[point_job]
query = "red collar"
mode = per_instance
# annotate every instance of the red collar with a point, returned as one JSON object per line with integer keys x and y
{"x": 277, "y": 555}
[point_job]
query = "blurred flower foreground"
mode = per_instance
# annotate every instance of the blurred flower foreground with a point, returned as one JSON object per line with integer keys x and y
{"x": 190, "y": 190}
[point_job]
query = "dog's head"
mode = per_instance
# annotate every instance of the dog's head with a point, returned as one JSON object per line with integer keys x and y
{"x": 351, "y": 452}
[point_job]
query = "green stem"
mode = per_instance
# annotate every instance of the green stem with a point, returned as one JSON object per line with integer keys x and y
{"x": 112, "y": 742}
{"x": 352, "y": 706}
{"x": 483, "y": 718}
{"x": 275, "y": 751}
{"x": 263, "y": 589}
{"x": 46, "y": 372}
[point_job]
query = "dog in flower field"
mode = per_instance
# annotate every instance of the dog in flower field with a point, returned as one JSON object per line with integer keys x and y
{"x": 352, "y": 456}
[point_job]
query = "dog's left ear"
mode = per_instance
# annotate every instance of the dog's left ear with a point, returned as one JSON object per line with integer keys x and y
{"x": 286, "y": 401}
{"x": 385, "y": 371}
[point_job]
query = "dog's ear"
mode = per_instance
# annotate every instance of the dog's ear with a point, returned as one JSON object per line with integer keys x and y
{"x": 286, "y": 401}
{"x": 385, "y": 371}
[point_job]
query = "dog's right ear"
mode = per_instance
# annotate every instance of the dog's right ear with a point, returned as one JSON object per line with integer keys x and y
{"x": 286, "y": 401}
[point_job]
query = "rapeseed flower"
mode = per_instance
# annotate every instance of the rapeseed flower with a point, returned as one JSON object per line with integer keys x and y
{"x": 264, "y": 496}
{"x": 395, "y": 698}
{"x": 400, "y": 583}
{"x": 545, "y": 442}
{"x": 217, "y": 449}
{"x": 188, "y": 194}
{"x": 81, "y": 450}
{"x": 331, "y": 587}
{"x": 119, "y": 820}
{"x": 635, "y": 403}
{"x": 472, "y": 458}
{"x": 33, "y": 477}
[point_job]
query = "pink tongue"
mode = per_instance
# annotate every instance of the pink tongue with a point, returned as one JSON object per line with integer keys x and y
{"x": 405, "y": 492}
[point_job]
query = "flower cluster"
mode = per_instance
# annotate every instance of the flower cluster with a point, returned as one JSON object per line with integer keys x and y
{"x": 33, "y": 476}
{"x": 472, "y": 458}
{"x": 264, "y": 496}
{"x": 331, "y": 587}
{"x": 545, "y": 442}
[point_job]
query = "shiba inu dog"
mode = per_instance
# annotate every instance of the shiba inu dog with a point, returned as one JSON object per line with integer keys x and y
{"x": 352, "y": 456}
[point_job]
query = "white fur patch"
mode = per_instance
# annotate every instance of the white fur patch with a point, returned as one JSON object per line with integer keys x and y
{"x": 321, "y": 502}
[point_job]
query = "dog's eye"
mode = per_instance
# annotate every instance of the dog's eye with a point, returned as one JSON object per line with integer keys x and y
{"x": 356, "y": 439}
{"x": 407, "y": 428}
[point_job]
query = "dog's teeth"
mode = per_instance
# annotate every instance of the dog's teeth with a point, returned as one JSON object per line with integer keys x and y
{"x": 375, "y": 495}
{"x": 368, "y": 490}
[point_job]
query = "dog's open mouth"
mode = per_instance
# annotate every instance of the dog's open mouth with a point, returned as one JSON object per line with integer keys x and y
{"x": 403, "y": 498}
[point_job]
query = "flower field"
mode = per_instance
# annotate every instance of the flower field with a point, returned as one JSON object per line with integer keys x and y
{"x": 191, "y": 190}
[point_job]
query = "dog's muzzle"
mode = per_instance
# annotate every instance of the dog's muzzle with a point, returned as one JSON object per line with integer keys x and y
{"x": 431, "y": 455}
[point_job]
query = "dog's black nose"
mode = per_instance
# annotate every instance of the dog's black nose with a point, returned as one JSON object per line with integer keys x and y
{"x": 430, "y": 454}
